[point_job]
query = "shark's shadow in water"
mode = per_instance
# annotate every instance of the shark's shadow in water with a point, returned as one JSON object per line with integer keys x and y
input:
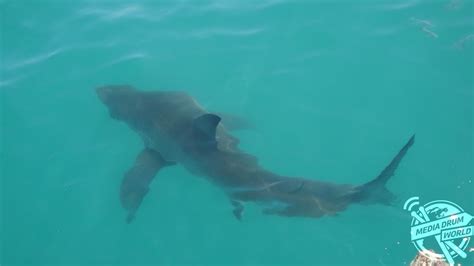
{"x": 176, "y": 129}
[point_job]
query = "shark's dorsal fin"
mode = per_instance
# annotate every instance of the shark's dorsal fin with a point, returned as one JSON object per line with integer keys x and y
{"x": 204, "y": 128}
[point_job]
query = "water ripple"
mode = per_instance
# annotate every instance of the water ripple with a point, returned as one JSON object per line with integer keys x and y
{"x": 461, "y": 43}
{"x": 128, "y": 12}
{"x": 239, "y": 5}
{"x": 36, "y": 59}
{"x": 18, "y": 63}
{"x": 401, "y": 5}
{"x": 125, "y": 58}
{"x": 425, "y": 25}
{"x": 11, "y": 81}
{"x": 112, "y": 14}
{"x": 205, "y": 33}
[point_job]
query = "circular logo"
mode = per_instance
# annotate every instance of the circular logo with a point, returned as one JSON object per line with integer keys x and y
{"x": 440, "y": 229}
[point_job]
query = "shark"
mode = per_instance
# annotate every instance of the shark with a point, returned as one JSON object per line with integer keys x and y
{"x": 176, "y": 129}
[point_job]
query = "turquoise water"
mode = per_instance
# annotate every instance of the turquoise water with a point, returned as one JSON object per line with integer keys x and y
{"x": 335, "y": 88}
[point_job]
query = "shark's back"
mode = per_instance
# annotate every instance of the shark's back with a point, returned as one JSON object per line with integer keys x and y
{"x": 171, "y": 116}
{"x": 170, "y": 111}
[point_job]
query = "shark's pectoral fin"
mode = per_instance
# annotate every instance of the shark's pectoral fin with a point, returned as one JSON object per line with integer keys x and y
{"x": 136, "y": 182}
{"x": 238, "y": 209}
{"x": 204, "y": 130}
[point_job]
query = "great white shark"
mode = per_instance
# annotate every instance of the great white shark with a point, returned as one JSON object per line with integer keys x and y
{"x": 175, "y": 129}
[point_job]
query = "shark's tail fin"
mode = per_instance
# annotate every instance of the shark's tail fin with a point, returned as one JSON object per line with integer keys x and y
{"x": 375, "y": 190}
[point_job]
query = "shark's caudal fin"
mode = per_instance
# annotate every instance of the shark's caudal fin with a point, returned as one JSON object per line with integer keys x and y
{"x": 375, "y": 190}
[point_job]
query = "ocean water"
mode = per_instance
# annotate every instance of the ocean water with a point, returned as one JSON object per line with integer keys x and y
{"x": 335, "y": 89}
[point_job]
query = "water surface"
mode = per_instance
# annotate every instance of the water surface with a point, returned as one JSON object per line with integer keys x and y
{"x": 335, "y": 88}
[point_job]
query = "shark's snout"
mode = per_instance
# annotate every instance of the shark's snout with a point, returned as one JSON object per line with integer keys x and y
{"x": 103, "y": 93}
{"x": 115, "y": 92}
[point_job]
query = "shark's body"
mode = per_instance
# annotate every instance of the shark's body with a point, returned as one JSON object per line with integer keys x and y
{"x": 176, "y": 129}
